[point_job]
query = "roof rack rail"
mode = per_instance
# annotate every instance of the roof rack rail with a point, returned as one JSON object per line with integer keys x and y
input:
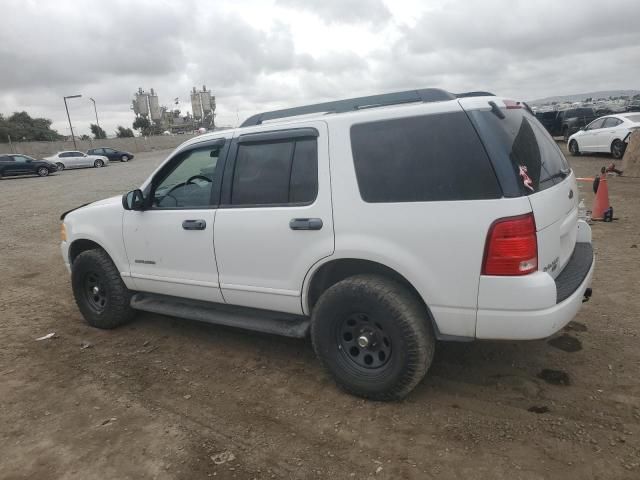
{"x": 474, "y": 94}
{"x": 351, "y": 104}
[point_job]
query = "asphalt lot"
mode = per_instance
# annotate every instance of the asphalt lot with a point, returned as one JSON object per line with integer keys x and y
{"x": 167, "y": 398}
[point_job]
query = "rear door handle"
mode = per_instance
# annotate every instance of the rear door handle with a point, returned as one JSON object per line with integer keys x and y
{"x": 194, "y": 224}
{"x": 305, "y": 224}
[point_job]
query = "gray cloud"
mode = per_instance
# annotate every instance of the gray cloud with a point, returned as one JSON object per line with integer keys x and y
{"x": 263, "y": 56}
{"x": 343, "y": 11}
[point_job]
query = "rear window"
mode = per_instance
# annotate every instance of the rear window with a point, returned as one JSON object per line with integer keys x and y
{"x": 518, "y": 144}
{"x": 420, "y": 159}
{"x": 580, "y": 112}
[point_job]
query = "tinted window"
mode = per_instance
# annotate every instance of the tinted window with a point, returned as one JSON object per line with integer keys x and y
{"x": 417, "y": 159}
{"x": 596, "y": 124}
{"x": 304, "y": 172}
{"x": 611, "y": 122}
{"x": 21, "y": 158}
{"x": 6, "y": 158}
{"x": 108, "y": 150}
{"x": 189, "y": 184}
{"x": 580, "y": 112}
{"x": 275, "y": 173}
{"x": 521, "y": 143}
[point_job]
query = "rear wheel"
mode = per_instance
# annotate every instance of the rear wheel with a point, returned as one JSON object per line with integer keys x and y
{"x": 373, "y": 336}
{"x": 573, "y": 148}
{"x": 100, "y": 293}
{"x": 617, "y": 149}
{"x": 43, "y": 171}
{"x": 98, "y": 163}
{"x": 60, "y": 166}
{"x": 124, "y": 158}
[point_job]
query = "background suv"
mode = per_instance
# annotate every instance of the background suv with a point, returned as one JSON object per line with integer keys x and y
{"x": 376, "y": 230}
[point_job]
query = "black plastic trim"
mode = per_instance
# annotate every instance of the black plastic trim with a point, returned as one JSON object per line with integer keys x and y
{"x": 575, "y": 271}
{"x": 278, "y": 135}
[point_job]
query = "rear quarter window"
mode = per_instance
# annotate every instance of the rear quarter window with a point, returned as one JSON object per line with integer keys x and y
{"x": 518, "y": 141}
{"x": 419, "y": 159}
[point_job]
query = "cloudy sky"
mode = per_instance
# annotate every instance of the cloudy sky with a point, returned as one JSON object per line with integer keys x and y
{"x": 258, "y": 55}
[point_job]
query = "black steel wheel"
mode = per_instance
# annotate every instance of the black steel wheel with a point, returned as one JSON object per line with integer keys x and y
{"x": 100, "y": 293}
{"x": 373, "y": 336}
{"x": 617, "y": 149}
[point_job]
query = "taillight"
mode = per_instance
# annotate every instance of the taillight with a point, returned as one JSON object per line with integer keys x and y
{"x": 512, "y": 104}
{"x": 512, "y": 247}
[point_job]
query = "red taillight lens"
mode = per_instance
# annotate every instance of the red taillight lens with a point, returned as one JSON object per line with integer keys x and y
{"x": 512, "y": 104}
{"x": 512, "y": 247}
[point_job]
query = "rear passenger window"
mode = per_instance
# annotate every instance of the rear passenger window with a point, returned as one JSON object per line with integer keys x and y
{"x": 276, "y": 173}
{"x": 418, "y": 159}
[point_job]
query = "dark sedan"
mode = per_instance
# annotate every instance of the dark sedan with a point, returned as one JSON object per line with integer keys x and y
{"x": 111, "y": 154}
{"x": 15, "y": 164}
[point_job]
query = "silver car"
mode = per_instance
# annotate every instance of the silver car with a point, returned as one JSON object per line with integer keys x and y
{"x": 74, "y": 159}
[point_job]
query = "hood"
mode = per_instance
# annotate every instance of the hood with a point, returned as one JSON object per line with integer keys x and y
{"x": 117, "y": 200}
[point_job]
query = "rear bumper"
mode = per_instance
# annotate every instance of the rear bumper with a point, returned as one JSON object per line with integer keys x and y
{"x": 537, "y": 306}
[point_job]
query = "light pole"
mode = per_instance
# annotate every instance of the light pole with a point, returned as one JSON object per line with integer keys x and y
{"x": 95, "y": 110}
{"x": 69, "y": 118}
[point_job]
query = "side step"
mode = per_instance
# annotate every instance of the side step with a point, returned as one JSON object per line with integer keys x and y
{"x": 265, "y": 321}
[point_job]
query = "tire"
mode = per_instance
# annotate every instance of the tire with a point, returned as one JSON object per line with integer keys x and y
{"x": 574, "y": 149}
{"x": 108, "y": 306}
{"x": 124, "y": 158}
{"x": 396, "y": 326}
{"x": 43, "y": 171}
{"x": 60, "y": 166}
{"x": 617, "y": 149}
{"x": 98, "y": 163}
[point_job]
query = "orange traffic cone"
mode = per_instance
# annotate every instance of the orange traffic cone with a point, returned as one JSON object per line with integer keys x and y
{"x": 601, "y": 207}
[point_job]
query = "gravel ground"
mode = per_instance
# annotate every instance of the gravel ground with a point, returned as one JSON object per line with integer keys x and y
{"x": 167, "y": 398}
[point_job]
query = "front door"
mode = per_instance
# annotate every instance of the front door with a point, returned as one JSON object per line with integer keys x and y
{"x": 589, "y": 139}
{"x": 170, "y": 243}
{"x": 275, "y": 220}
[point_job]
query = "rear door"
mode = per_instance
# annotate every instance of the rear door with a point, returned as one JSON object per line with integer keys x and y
{"x": 276, "y": 219}
{"x": 516, "y": 141}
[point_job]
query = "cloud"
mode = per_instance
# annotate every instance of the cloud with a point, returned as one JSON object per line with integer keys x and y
{"x": 343, "y": 11}
{"x": 268, "y": 54}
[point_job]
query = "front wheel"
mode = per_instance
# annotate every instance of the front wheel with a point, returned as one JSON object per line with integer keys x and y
{"x": 43, "y": 171}
{"x": 124, "y": 158}
{"x": 373, "y": 336}
{"x": 100, "y": 293}
{"x": 98, "y": 163}
{"x": 60, "y": 166}
{"x": 573, "y": 148}
{"x": 617, "y": 149}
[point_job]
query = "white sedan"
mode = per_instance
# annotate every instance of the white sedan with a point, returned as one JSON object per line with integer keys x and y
{"x": 605, "y": 134}
{"x": 73, "y": 159}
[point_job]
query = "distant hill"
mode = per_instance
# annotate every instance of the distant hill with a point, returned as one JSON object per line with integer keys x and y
{"x": 578, "y": 97}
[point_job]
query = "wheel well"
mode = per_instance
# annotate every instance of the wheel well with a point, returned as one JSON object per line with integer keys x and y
{"x": 79, "y": 246}
{"x": 337, "y": 270}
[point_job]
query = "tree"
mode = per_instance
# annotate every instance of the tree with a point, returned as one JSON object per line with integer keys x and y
{"x": 122, "y": 132}
{"x": 144, "y": 125}
{"x": 98, "y": 133}
{"x": 20, "y": 126}
{"x": 85, "y": 137}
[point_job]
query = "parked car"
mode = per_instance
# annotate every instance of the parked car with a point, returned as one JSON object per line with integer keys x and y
{"x": 74, "y": 159}
{"x": 15, "y": 164}
{"x": 566, "y": 122}
{"x": 111, "y": 154}
{"x": 376, "y": 231}
{"x": 605, "y": 135}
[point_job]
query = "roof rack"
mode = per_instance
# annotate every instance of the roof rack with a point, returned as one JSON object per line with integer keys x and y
{"x": 424, "y": 95}
{"x": 351, "y": 104}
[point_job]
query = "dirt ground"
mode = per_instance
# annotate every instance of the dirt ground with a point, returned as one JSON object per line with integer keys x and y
{"x": 172, "y": 399}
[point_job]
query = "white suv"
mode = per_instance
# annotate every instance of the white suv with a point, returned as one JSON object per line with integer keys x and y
{"x": 377, "y": 224}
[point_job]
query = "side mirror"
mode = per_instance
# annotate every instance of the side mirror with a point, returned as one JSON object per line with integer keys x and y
{"x": 133, "y": 200}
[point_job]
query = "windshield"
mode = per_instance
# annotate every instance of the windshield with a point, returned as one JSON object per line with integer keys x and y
{"x": 518, "y": 144}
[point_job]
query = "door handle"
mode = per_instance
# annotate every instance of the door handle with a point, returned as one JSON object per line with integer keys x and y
{"x": 305, "y": 224}
{"x": 194, "y": 224}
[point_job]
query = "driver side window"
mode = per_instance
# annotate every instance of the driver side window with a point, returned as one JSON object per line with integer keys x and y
{"x": 189, "y": 184}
